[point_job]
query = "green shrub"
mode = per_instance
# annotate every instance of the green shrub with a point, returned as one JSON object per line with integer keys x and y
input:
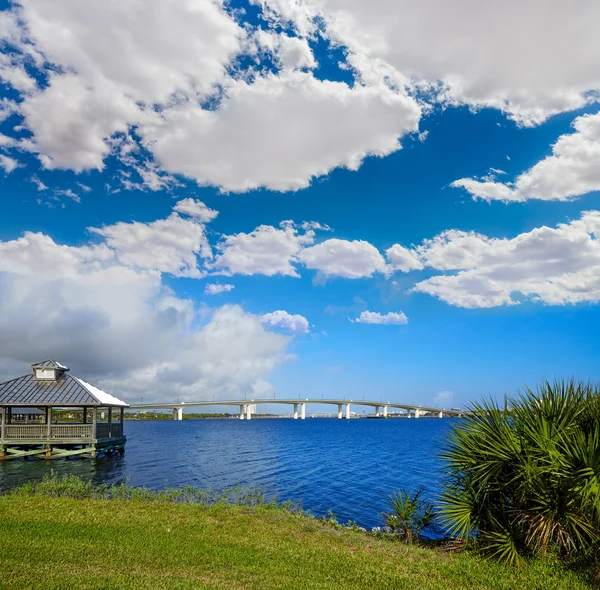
{"x": 409, "y": 514}
{"x": 525, "y": 479}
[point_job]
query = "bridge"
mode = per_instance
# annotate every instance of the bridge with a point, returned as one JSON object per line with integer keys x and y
{"x": 248, "y": 407}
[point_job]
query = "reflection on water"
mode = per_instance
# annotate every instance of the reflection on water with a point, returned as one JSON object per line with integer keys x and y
{"x": 348, "y": 466}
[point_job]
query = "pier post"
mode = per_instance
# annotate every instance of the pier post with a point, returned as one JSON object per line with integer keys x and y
{"x": 242, "y": 411}
{"x": 417, "y": 412}
{"x": 2, "y": 425}
{"x": 248, "y": 411}
{"x": 385, "y": 410}
{"x": 339, "y": 411}
{"x": 377, "y": 411}
{"x": 303, "y": 411}
{"x": 347, "y": 411}
{"x": 295, "y": 411}
{"x": 175, "y": 417}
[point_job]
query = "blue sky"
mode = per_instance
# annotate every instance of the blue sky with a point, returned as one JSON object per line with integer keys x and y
{"x": 454, "y": 208}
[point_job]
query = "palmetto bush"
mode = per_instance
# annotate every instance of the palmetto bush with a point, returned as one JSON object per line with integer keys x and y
{"x": 525, "y": 479}
{"x": 409, "y": 514}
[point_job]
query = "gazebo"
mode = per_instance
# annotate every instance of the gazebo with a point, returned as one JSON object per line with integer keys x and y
{"x": 73, "y": 417}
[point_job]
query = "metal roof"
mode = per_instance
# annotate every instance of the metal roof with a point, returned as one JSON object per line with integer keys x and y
{"x": 27, "y": 411}
{"x": 66, "y": 390}
{"x": 49, "y": 364}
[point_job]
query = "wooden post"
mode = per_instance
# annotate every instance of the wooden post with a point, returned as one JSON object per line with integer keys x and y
{"x": 95, "y": 422}
{"x": 49, "y": 422}
{"x": 85, "y": 415}
{"x": 109, "y": 422}
{"x": 2, "y": 429}
{"x": 122, "y": 421}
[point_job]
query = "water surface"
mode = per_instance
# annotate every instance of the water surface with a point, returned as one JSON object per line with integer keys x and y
{"x": 348, "y": 466}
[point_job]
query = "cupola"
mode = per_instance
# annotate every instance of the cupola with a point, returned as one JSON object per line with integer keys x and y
{"x": 48, "y": 370}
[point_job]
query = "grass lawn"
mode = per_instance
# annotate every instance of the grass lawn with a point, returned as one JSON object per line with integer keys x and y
{"x": 66, "y": 543}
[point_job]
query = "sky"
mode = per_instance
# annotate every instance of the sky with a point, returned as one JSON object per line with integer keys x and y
{"x": 301, "y": 198}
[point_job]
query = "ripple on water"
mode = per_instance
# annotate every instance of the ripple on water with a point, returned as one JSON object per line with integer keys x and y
{"x": 348, "y": 466}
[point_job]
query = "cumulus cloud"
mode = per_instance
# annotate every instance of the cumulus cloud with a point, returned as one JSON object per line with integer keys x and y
{"x": 280, "y": 132}
{"x": 196, "y": 209}
{"x": 572, "y": 170}
{"x": 71, "y": 121}
{"x": 170, "y": 49}
{"x": 266, "y": 250}
{"x": 291, "y": 52}
{"x": 548, "y": 66}
{"x": 343, "y": 258}
{"x": 121, "y": 326}
{"x": 556, "y": 266}
{"x": 216, "y": 288}
{"x": 374, "y": 317}
{"x": 170, "y": 245}
{"x": 282, "y": 319}
{"x": 403, "y": 259}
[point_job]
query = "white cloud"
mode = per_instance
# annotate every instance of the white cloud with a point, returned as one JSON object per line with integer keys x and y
{"x": 529, "y": 61}
{"x": 230, "y": 356}
{"x": 71, "y": 121}
{"x": 282, "y": 319}
{"x": 123, "y": 329}
{"x": 280, "y": 132}
{"x": 68, "y": 193}
{"x": 274, "y": 130}
{"x": 215, "y": 288}
{"x": 8, "y": 164}
{"x": 556, "y": 266}
{"x": 172, "y": 50}
{"x": 196, "y": 209}
{"x": 403, "y": 259}
{"x": 169, "y": 245}
{"x": 374, "y": 317}
{"x": 169, "y": 47}
{"x": 572, "y": 170}
{"x": 40, "y": 185}
{"x": 342, "y": 258}
{"x": 291, "y": 52}
{"x": 265, "y": 250}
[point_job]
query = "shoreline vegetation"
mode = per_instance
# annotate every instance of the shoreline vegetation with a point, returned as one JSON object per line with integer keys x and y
{"x": 63, "y": 532}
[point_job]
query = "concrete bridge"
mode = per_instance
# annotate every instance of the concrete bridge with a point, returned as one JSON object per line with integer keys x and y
{"x": 248, "y": 407}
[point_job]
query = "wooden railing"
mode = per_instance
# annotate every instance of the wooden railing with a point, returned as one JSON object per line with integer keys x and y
{"x": 72, "y": 431}
{"x": 35, "y": 431}
{"x": 60, "y": 431}
{"x": 40, "y": 431}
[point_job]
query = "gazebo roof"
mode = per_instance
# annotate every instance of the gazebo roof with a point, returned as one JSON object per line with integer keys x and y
{"x": 66, "y": 390}
{"x": 49, "y": 364}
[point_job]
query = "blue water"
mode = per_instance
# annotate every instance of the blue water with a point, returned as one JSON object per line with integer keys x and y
{"x": 348, "y": 466}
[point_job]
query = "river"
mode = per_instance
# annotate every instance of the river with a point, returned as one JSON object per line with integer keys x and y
{"x": 348, "y": 466}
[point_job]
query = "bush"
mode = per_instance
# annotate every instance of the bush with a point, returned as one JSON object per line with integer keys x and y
{"x": 525, "y": 479}
{"x": 410, "y": 515}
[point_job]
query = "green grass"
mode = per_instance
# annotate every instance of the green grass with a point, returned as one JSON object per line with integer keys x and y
{"x": 177, "y": 540}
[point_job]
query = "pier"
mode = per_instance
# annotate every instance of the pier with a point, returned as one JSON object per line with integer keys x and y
{"x": 50, "y": 414}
